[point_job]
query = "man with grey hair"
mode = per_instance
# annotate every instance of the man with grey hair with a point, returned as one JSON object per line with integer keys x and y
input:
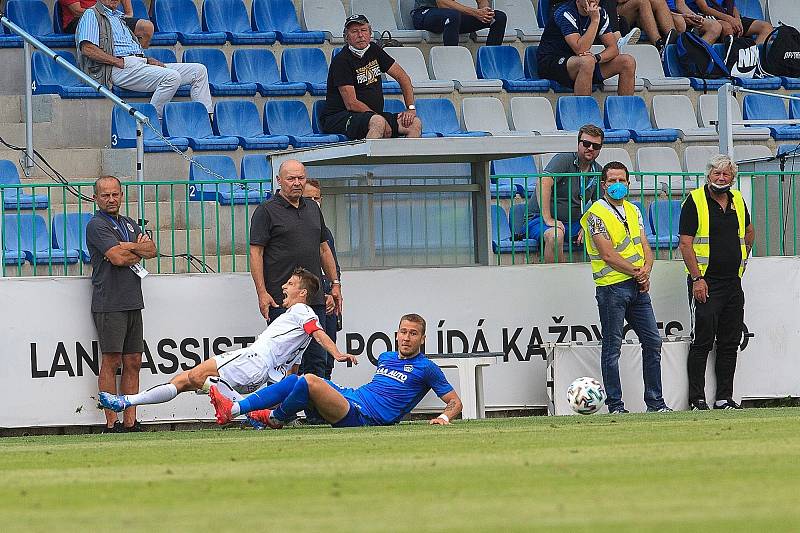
{"x": 716, "y": 236}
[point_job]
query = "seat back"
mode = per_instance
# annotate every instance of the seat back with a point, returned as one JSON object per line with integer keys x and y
{"x": 664, "y": 216}
{"x": 378, "y": 12}
{"x": 543, "y": 12}
{"x": 794, "y": 109}
{"x": 648, "y": 61}
{"x": 501, "y": 231}
{"x": 404, "y": 8}
{"x": 214, "y": 61}
{"x": 524, "y": 165}
{"x": 452, "y": 63}
{"x": 8, "y": 176}
{"x": 318, "y": 109}
{"x": 58, "y": 23}
{"x": 499, "y": 63}
{"x": 324, "y": 15}
{"x": 572, "y": 112}
{"x": 25, "y": 231}
{"x": 220, "y": 164}
{"x": 287, "y": 117}
{"x": 238, "y": 118}
{"x": 140, "y": 10}
{"x": 758, "y": 106}
{"x": 783, "y": 12}
{"x": 751, "y": 9}
{"x": 257, "y": 167}
{"x": 69, "y": 231}
{"x": 438, "y": 114}
{"x": 661, "y": 159}
{"x": 412, "y": 61}
{"x": 254, "y": 65}
{"x": 696, "y": 157}
{"x": 671, "y": 65}
{"x": 674, "y": 111}
{"x": 186, "y": 119}
{"x": 45, "y": 71}
{"x": 390, "y": 105}
{"x": 274, "y": 15}
{"x": 627, "y": 113}
{"x": 32, "y": 16}
{"x": 484, "y": 113}
{"x": 521, "y": 15}
{"x": 176, "y": 16}
{"x": 165, "y": 55}
{"x": 608, "y": 154}
{"x": 531, "y": 63}
{"x": 532, "y": 113}
{"x": 746, "y": 152}
{"x": 707, "y": 104}
{"x": 304, "y": 64}
{"x": 123, "y": 125}
{"x": 225, "y": 15}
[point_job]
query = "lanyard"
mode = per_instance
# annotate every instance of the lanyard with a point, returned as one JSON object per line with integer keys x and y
{"x": 619, "y": 215}
{"x": 121, "y": 229}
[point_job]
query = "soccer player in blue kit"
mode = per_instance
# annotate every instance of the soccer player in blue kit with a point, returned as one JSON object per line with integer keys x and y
{"x": 400, "y": 382}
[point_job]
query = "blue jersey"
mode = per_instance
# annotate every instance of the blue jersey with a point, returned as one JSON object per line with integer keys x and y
{"x": 398, "y": 386}
{"x": 567, "y": 20}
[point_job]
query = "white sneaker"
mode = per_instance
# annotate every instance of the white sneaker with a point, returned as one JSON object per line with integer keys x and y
{"x": 631, "y": 38}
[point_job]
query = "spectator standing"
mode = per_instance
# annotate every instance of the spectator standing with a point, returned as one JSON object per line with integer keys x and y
{"x": 332, "y": 323}
{"x": 565, "y": 54}
{"x": 71, "y": 11}
{"x": 621, "y": 263}
{"x": 354, "y": 102}
{"x": 554, "y": 213}
{"x": 288, "y": 231}
{"x": 113, "y": 56}
{"x": 451, "y": 18}
{"x": 116, "y": 245}
{"x": 732, "y": 22}
{"x": 716, "y": 236}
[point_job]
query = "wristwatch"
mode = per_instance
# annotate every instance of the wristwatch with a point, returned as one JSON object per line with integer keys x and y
{"x": 336, "y": 282}
{"x": 598, "y": 58}
{"x": 412, "y": 107}
{"x": 698, "y": 278}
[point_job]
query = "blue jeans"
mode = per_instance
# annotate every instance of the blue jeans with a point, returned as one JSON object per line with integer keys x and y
{"x": 616, "y": 304}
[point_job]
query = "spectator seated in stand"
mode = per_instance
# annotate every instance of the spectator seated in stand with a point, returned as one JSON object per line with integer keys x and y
{"x": 687, "y": 20}
{"x": 72, "y": 10}
{"x": 451, "y": 18}
{"x": 726, "y": 12}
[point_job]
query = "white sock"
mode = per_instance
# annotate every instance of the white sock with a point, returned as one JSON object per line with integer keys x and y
{"x": 223, "y": 387}
{"x": 235, "y": 410}
{"x": 158, "y": 394}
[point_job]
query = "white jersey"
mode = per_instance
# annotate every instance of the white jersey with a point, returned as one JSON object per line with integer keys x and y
{"x": 273, "y": 353}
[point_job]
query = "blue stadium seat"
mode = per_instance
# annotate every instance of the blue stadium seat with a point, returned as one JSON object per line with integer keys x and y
{"x": 751, "y": 9}
{"x": 759, "y": 106}
{"x": 258, "y": 167}
{"x": 630, "y": 113}
{"x": 219, "y": 77}
{"x": 34, "y": 17}
{"x": 502, "y": 237}
{"x": 307, "y": 65}
{"x": 664, "y": 216}
{"x": 648, "y": 228}
{"x": 69, "y": 233}
{"x": 523, "y": 166}
{"x": 794, "y": 108}
{"x": 673, "y": 68}
{"x": 279, "y": 16}
{"x": 220, "y": 191}
{"x": 158, "y": 38}
{"x": 532, "y": 71}
{"x": 123, "y": 131}
{"x": 503, "y": 63}
{"x": 395, "y": 105}
{"x": 14, "y": 198}
{"x": 58, "y": 26}
{"x": 572, "y": 112}
{"x": 290, "y": 117}
{"x": 317, "y": 110}
{"x": 166, "y": 56}
{"x": 259, "y": 66}
{"x": 501, "y": 188}
{"x": 792, "y": 150}
{"x": 230, "y": 16}
{"x": 768, "y": 82}
{"x": 189, "y": 120}
{"x": 49, "y": 78}
{"x": 438, "y": 116}
{"x": 180, "y": 17}
{"x": 240, "y": 118}
{"x": 27, "y": 233}
{"x": 518, "y": 221}
{"x": 542, "y": 12}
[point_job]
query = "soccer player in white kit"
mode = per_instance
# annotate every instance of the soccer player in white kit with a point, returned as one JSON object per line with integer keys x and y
{"x": 275, "y": 353}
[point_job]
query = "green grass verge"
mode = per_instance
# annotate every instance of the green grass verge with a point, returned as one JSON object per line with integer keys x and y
{"x": 715, "y": 471}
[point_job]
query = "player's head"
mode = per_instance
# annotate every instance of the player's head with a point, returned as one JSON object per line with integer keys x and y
{"x": 108, "y": 194}
{"x": 299, "y": 287}
{"x": 312, "y": 191}
{"x": 410, "y": 334}
{"x": 292, "y": 179}
{"x": 721, "y": 172}
{"x": 357, "y": 31}
{"x": 590, "y": 141}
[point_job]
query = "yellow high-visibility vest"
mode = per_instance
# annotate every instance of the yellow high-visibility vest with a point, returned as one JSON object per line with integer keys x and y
{"x": 701, "y": 246}
{"x": 629, "y": 245}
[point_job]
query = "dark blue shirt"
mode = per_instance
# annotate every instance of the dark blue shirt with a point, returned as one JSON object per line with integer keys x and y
{"x": 565, "y": 21}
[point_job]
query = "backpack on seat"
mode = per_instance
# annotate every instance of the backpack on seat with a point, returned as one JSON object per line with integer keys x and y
{"x": 698, "y": 60}
{"x": 782, "y": 52}
{"x": 742, "y": 57}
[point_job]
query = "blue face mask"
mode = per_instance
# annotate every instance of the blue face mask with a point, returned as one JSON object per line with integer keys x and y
{"x": 617, "y": 190}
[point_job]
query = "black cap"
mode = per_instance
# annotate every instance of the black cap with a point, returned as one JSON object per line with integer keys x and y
{"x": 355, "y": 19}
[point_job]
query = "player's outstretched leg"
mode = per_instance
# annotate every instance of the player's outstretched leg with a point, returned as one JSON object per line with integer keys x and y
{"x": 270, "y": 396}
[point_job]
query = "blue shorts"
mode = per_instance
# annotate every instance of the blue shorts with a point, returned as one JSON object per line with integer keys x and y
{"x": 354, "y": 417}
{"x": 536, "y": 227}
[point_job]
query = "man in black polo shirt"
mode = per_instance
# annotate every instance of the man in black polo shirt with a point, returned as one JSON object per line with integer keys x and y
{"x": 354, "y": 103}
{"x": 715, "y": 239}
{"x": 286, "y": 232}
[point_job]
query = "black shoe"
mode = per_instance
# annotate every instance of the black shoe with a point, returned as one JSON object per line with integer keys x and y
{"x": 729, "y": 404}
{"x": 116, "y": 428}
{"x": 315, "y": 421}
{"x": 620, "y": 411}
{"x": 698, "y": 405}
{"x": 135, "y": 428}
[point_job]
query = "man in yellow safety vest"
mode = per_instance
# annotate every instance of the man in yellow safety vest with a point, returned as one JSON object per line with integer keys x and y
{"x": 715, "y": 239}
{"x": 621, "y": 264}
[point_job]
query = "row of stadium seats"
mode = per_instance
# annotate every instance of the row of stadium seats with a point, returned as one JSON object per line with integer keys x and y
{"x": 26, "y": 237}
{"x": 13, "y": 197}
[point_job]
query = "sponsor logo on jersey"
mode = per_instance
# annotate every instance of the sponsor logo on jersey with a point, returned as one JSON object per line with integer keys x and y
{"x": 394, "y": 374}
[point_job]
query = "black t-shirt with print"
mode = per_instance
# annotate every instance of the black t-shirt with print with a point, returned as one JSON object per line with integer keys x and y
{"x": 362, "y": 73}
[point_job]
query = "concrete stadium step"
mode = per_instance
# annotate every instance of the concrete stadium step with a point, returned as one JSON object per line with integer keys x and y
{"x": 200, "y": 241}
{"x": 11, "y": 109}
{"x": 81, "y": 163}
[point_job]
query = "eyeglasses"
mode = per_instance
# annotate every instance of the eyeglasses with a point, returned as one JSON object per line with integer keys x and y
{"x": 590, "y": 144}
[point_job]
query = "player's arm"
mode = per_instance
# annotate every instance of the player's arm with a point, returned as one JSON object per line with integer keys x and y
{"x": 611, "y": 49}
{"x": 613, "y": 257}
{"x": 452, "y": 409}
{"x": 351, "y": 102}
{"x": 322, "y": 338}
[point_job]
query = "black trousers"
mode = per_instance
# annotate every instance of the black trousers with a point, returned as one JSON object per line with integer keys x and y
{"x": 451, "y": 22}
{"x": 720, "y": 319}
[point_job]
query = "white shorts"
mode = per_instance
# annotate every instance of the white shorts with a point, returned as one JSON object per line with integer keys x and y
{"x": 243, "y": 370}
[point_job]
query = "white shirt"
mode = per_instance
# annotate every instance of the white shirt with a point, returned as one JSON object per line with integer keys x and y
{"x": 285, "y": 339}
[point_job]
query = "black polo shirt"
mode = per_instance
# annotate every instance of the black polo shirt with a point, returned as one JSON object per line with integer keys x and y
{"x": 291, "y": 237}
{"x": 725, "y": 254}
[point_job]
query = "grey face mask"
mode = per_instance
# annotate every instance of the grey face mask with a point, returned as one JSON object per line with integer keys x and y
{"x": 719, "y": 188}
{"x": 358, "y": 53}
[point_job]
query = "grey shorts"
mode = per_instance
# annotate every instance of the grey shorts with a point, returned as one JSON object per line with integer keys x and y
{"x": 120, "y": 331}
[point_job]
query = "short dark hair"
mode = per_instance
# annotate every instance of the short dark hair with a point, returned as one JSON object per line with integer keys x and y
{"x": 614, "y": 165}
{"x": 415, "y": 318}
{"x": 308, "y": 281}
{"x": 590, "y": 129}
{"x": 104, "y": 178}
{"x": 314, "y": 182}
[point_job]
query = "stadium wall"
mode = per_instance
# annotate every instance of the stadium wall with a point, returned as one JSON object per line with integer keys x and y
{"x": 51, "y": 355}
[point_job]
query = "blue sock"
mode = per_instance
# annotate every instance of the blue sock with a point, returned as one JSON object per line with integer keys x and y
{"x": 296, "y": 401}
{"x": 268, "y": 396}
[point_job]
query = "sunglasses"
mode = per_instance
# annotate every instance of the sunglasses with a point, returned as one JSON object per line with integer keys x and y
{"x": 590, "y": 144}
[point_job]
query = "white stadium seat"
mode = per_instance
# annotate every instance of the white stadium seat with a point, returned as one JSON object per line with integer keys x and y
{"x": 676, "y": 111}
{"x": 535, "y": 113}
{"x": 455, "y": 63}
{"x": 412, "y": 61}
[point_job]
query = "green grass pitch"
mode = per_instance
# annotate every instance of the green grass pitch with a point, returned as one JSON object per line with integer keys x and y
{"x": 713, "y": 471}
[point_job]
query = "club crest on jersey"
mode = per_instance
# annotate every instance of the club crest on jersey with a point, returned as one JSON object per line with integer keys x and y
{"x": 408, "y": 368}
{"x": 130, "y": 226}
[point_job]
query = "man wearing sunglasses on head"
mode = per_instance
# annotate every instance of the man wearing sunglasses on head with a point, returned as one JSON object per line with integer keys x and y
{"x": 554, "y": 213}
